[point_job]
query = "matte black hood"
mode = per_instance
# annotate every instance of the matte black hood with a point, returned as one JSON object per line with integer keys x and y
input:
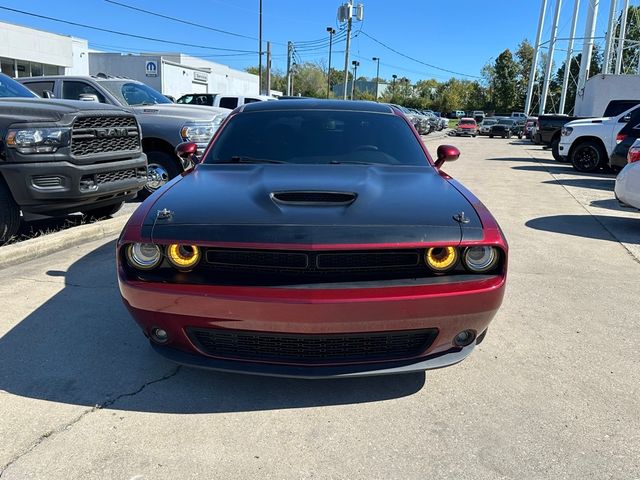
{"x": 233, "y": 203}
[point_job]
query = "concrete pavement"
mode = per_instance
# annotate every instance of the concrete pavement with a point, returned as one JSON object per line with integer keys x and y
{"x": 551, "y": 393}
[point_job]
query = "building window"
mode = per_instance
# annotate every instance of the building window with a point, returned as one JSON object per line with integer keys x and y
{"x": 8, "y": 67}
{"x": 51, "y": 69}
{"x": 36, "y": 69}
{"x": 24, "y": 68}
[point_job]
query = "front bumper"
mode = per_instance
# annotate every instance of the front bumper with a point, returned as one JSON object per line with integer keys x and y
{"x": 462, "y": 133}
{"x": 448, "y": 307}
{"x": 60, "y": 186}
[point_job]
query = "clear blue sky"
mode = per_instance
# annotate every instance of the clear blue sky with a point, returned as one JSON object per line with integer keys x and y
{"x": 456, "y": 35}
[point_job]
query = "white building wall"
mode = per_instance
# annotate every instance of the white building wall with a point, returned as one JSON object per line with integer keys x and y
{"x": 79, "y": 58}
{"x": 601, "y": 89}
{"x": 177, "y": 74}
{"x": 24, "y": 43}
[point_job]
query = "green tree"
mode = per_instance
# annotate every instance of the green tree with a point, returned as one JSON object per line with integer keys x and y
{"x": 505, "y": 82}
{"x": 524, "y": 56}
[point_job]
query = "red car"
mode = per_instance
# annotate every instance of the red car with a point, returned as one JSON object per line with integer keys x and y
{"x": 467, "y": 126}
{"x": 314, "y": 238}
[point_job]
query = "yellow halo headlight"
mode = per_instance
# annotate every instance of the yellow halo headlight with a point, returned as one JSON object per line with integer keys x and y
{"x": 183, "y": 257}
{"x": 441, "y": 259}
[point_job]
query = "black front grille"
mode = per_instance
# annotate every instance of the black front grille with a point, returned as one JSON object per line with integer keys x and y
{"x": 314, "y": 349}
{"x": 108, "y": 177}
{"x": 104, "y": 134}
{"x": 314, "y": 197}
{"x": 310, "y": 262}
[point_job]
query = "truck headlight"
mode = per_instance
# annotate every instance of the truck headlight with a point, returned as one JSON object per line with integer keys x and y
{"x": 38, "y": 140}
{"x": 198, "y": 132}
{"x": 566, "y": 131}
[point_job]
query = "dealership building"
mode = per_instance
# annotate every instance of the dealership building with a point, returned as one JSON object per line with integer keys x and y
{"x": 175, "y": 74}
{"x": 28, "y": 52}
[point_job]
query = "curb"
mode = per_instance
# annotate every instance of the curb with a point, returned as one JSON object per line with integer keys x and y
{"x": 33, "y": 248}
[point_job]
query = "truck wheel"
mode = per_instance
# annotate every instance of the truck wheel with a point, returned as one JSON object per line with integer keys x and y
{"x": 587, "y": 156}
{"x": 555, "y": 151}
{"x": 161, "y": 168}
{"x": 9, "y": 214}
{"x": 102, "y": 212}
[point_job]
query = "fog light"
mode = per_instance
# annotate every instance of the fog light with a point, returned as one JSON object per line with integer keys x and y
{"x": 159, "y": 335}
{"x": 464, "y": 338}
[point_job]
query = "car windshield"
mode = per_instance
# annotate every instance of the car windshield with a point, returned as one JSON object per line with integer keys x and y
{"x": 9, "y": 88}
{"x": 129, "y": 93}
{"x": 317, "y": 137}
{"x": 489, "y": 121}
{"x": 467, "y": 122}
{"x": 505, "y": 121}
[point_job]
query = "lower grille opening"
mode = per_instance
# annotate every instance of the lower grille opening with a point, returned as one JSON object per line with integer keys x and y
{"x": 312, "y": 349}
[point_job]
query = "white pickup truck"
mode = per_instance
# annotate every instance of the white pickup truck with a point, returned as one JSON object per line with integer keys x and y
{"x": 588, "y": 143}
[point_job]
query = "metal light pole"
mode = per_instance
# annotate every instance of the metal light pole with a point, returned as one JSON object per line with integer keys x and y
{"x": 260, "y": 52}
{"x": 393, "y": 84}
{"x": 552, "y": 46}
{"x": 377, "y": 59}
{"x": 346, "y": 50}
{"x": 608, "y": 48}
{"x": 587, "y": 50}
{"x": 355, "y": 64}
{"x": 568, "y": 60}
{"x": 331, "y": 31}
{"x": 623, "y": 34}
{"x": 534, "y": 63}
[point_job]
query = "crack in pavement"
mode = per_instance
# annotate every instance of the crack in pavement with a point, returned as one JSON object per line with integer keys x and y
{"x": 614, "y": 237}
{"x": 68, "y": 425}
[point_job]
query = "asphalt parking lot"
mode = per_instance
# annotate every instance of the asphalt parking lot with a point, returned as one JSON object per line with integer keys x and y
{"x": 551, "y": 393}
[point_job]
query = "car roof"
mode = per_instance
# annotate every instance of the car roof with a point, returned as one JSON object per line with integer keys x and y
{"x": 318, "y": 104}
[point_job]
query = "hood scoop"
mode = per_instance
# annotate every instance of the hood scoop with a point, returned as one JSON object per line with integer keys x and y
{"x": 313, "y": 198}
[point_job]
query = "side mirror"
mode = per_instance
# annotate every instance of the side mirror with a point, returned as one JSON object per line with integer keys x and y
{"x": 626, "y": 118}
{"x": 89, "y": 97}
{"x": 47, "y": 94}
{"x": 187, "y": 151}
{"x": 447, "y": 153}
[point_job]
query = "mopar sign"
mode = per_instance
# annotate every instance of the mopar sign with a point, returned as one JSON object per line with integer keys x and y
{"x": 151, "y": 68}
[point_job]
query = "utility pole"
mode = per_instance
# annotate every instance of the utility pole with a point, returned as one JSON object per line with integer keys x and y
{"x": 569, "y": 59}
{"x": 331, "y": 31}
{"x": 260, "y": 52}
{"x": 534, "y": 64}
{"x": 355, "y": 64}
{"x": 345, "y": 14}
{"x": 608, "y": 48}
{"x": 289, "y": 59}
{"x": 268, "y": 89}
{"x": 377, "y": 59}
{"x": 587, "y": 49}
{"x": 623, "y": 34}
{"x": 552, "y": 46}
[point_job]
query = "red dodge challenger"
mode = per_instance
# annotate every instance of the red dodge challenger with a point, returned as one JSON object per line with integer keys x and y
{"x": 313, "y": 238}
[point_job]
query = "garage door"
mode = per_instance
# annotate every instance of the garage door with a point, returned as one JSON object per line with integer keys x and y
{"x": 198, "y": 87}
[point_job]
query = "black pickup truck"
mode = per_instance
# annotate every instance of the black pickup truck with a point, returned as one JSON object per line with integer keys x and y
{"x": 58, "y": 157}
{"x": 549, "y": 130}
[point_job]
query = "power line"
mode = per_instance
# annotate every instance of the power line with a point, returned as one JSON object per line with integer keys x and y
{"x": 415, "y": 59}
{"x": 116, "y": 32}
{"x": 186, "y": 22}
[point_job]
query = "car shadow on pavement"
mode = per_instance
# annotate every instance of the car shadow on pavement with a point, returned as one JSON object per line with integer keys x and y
{"x": 591, "y": 226}
{"x": 81, "y": 347}
{"x": 611, "y": 204}
{"x": 563, "y": 169}
{"x": 523, "y": 159}
{"x": 586, "y": 182}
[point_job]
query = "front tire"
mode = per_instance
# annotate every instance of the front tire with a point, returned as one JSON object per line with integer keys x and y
{"x": 588, "y": 156}
{"x": 555, "y": 151}
{"x": 102, "y": 212}
{"x": 9, "y": 214}
{"x": 161, "y": 168}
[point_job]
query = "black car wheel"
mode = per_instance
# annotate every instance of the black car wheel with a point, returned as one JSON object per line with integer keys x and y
{"x": 490, "y": 136}
{"x": 9, "y": 214}
{"x": 103, "y": 212}
{"x": 555, "y": 151}
{"x": 587, "y": 156}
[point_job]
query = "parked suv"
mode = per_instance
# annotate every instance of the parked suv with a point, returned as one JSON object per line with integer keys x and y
{"x": 58, "y": 157}
{"x": 218, "y": 100}
{"x": 164, "y": 124}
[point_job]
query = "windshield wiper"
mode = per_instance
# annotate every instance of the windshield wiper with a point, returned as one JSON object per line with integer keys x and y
{"x": 238, "y": 159}
{"x": 337, "y": 162}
